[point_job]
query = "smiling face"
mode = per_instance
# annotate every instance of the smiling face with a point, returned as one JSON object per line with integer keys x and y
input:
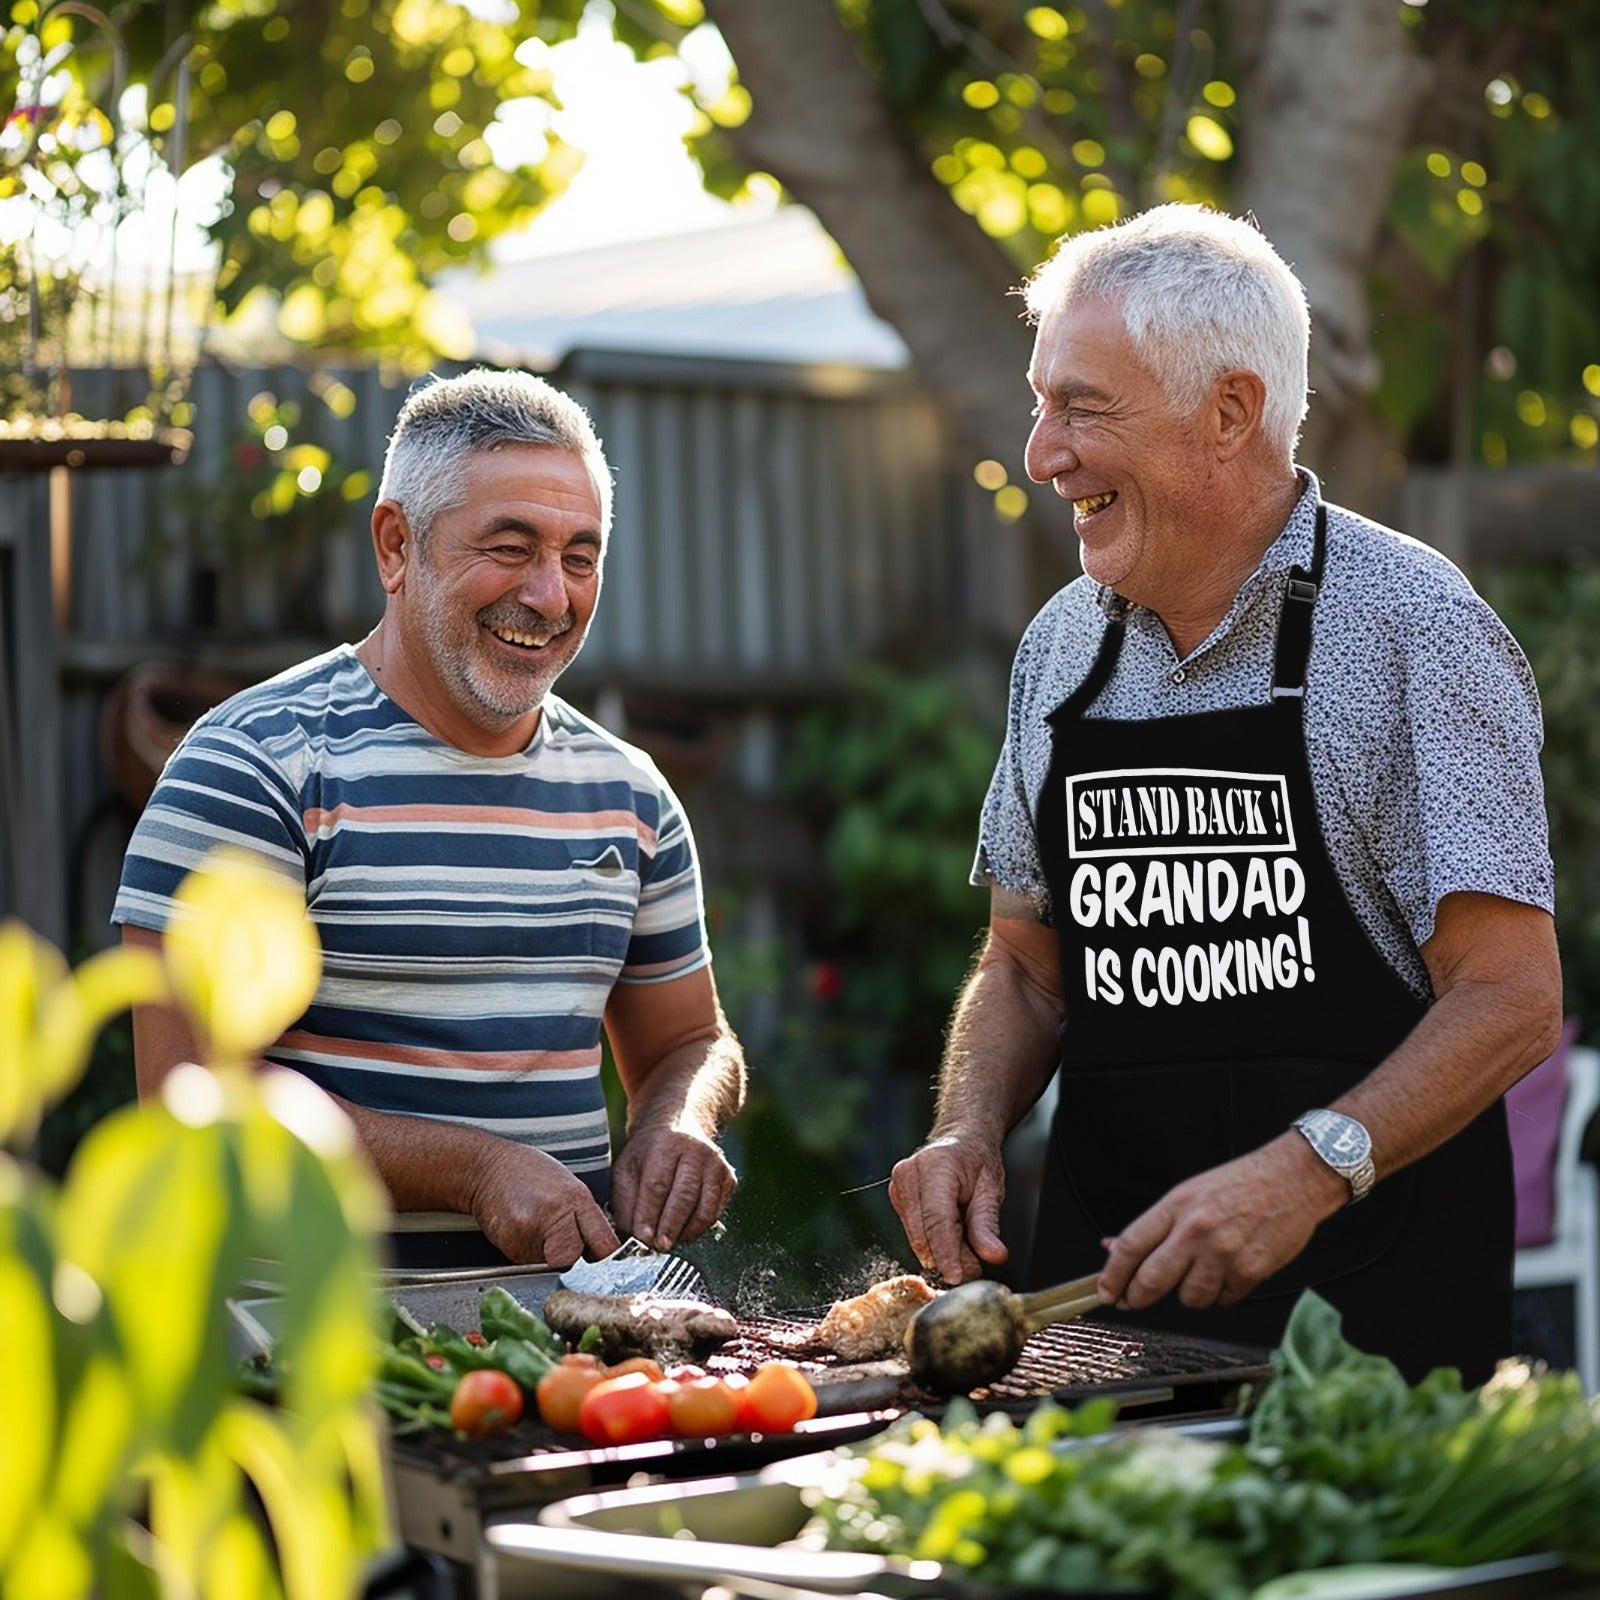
{"x": 495, "y": 604}
{"x": 1138, "y": 474}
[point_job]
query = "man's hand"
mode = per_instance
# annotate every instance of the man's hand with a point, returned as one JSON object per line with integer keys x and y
{"x": 533, "y": 1209}
{"x": 999, "y": 1054}
{"x": 683, "y": 1073}
{"x": 669, "y": 1185}
{"x": 948, "y": 1195}
{"x": 1217, "y": 1235}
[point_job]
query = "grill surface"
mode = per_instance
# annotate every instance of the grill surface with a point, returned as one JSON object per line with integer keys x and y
{"x": 445, "y": 1485}
{"x": 1068, "y": 1361}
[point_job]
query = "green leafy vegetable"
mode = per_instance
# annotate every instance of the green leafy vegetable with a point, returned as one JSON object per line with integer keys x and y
{"x": 500, "y": 1313}
{"x": 1344, "y": 1464}
{"x": 1447, "y": 1475}
{"x": 1050, "y": 1505}
{"x": 422, "y": 1366}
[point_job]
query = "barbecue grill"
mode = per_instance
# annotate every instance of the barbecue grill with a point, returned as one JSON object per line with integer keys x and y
{"x": 445, "y": 1487}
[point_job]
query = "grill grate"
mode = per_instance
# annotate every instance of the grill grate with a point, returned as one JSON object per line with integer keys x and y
{"x": 1069, "y": 1361}
{"x": 1073, "y": 1360}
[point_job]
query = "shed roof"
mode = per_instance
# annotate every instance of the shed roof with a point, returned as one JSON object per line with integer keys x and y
{"x": 768, "y": 288}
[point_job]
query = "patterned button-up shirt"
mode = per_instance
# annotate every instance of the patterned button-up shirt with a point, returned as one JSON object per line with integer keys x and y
{"x": 1422, "y": 723}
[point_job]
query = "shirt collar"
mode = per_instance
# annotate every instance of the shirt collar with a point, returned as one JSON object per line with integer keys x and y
{"x": 1294, "y": 547}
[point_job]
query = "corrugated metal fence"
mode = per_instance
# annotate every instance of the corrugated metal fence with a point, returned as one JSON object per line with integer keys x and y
{"x": 770, "y": 524}
{"x": 773, "y": 525}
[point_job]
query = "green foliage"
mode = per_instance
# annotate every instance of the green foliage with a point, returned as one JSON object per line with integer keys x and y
{"x": 360, "y": 141}
{"x": 1048, "y": 1505}
{"x": 895, "y": 776}
{"x": 1552, "y": 611}
{"x": 1344, "y": 1464}
{"x": 1443, "y": 1475}
{"x": 107, "y": 1084}
{"x": 1042, "y": 120}
{"x": 113, "y": 1287}
{"x": 1037, "y": 125}
{"x": 265, "y": 513}
{"x": 370, "y": 143}
{"x": 844, "y": 1041}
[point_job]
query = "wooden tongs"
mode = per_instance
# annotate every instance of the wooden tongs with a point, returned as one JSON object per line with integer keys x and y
{"x": 972, "y": 1334}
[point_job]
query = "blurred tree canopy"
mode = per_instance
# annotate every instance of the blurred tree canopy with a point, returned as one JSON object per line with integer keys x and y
{"x": 369, "y": 143}
{"x": 1427, "y": 168}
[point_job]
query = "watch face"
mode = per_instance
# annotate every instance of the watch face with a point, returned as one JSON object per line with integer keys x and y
{"x": 1339, "y": 1140}
{"x": 1350, "y": 1142}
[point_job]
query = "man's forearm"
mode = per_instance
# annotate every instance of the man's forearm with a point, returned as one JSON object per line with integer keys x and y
{"x": 425, "y": 1164}
{"x": 999, "y": 1054}
{"x": 1469, "y": 1048}
{"x": 698, "y": 1086}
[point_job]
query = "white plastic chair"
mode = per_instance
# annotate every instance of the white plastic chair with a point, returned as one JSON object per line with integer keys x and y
{"x": 1573, "y": 1255}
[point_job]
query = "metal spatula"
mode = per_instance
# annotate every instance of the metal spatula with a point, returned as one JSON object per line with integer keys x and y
{"x": 634, "y": 1268}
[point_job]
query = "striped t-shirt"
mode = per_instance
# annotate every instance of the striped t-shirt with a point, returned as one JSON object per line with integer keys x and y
{"x": 474, "y": 911}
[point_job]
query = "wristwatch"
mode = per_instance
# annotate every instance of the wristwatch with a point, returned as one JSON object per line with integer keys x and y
{"x": 1344, "y": 1144}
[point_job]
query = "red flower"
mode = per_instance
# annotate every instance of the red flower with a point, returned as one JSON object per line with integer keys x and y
{"x": 827, "y": 981}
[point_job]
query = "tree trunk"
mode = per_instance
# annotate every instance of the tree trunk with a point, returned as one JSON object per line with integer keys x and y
{"x": 821, "y": 127}
{"x": 1330, "y": 91}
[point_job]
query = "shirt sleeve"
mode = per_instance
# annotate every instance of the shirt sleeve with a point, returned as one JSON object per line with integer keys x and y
{"x": 219, "y": 788}
{"x": 1008, "y": 847}
{"x": 1464, "y": 811}
{"x": 669, "y": 930}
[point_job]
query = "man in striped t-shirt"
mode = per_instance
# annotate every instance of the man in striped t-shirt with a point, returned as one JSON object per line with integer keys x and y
{"x": 493, "y": 876}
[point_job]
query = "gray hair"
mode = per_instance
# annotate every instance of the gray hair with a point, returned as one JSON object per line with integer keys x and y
{"x": 443, "y": 422}
{"x": 1200, "y": 292}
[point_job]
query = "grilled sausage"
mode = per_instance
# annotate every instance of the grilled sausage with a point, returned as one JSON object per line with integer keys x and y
{"x": 873, "y": 1325}
{"x": 640, "y": 1325}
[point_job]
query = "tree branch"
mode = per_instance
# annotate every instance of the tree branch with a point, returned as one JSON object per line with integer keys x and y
{"x": 1121, "y": 119}
{"x": 1177, "y": 95}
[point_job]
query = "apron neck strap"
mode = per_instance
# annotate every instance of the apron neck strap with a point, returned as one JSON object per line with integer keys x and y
{"x": 1105, "y": 664}
{"x": 1294, "y": 621}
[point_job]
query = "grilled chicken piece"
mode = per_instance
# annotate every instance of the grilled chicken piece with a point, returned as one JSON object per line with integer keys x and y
{"x": 640, "y": 1324}
{"x": 873, "y": 1325}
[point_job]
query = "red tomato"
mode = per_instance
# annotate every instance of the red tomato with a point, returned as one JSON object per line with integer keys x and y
{"x": 701, "y": 1408}
{"x": 562, "y": 1388}
{"x": 778, "y": 1397}
{"x": 624, "y": 1410}
{"x": 485, "y": 1401}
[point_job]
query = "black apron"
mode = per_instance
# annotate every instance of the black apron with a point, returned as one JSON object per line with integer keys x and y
{"x": 1217, "y": 985}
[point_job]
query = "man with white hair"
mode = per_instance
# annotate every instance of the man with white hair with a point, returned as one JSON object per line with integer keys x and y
{"x": 1266, "y": 848}
{"x": 494, "y": 877}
